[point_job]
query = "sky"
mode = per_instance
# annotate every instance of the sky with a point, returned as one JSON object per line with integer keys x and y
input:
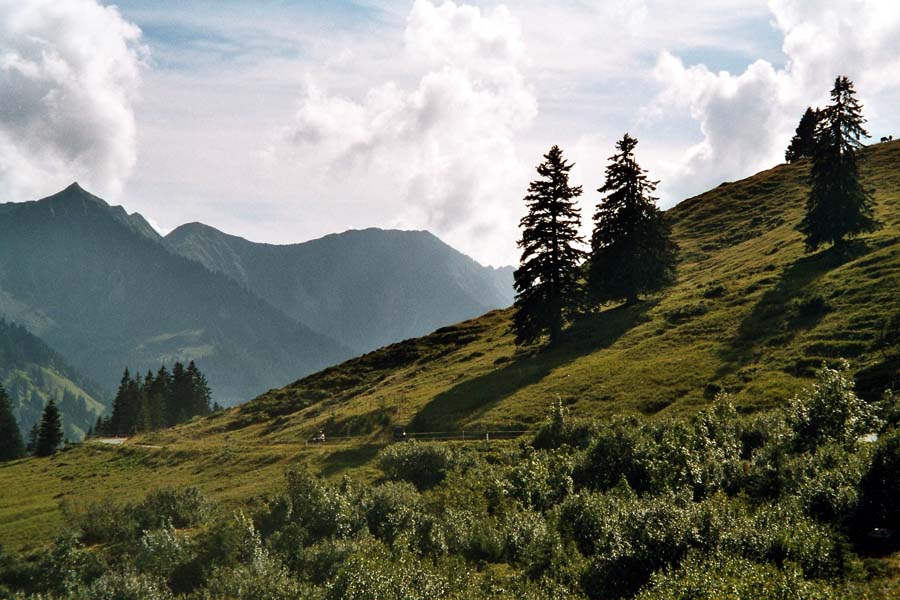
{"x": 282, "y": 121}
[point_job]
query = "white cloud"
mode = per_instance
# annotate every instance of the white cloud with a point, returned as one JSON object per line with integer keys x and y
{"x": 746, "y": 120}
{"x": 69, "y": 72}
{"x": 440, "y": 153}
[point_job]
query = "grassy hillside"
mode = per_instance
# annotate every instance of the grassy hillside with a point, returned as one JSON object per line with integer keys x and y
{"x": 751, "y": 315}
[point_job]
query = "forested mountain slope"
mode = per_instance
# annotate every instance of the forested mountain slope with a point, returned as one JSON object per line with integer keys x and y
{"x": 32, "y": 373}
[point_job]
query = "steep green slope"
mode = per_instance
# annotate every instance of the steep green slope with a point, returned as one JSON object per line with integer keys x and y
{"x": 751, "y": 314}
{"x": 101, "y": 287}
{"x": 364, "y": 288}
{"x": 33, "y": 373}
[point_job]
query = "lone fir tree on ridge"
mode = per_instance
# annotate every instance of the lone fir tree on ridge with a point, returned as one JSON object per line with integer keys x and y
{"x": 838, "y": 206}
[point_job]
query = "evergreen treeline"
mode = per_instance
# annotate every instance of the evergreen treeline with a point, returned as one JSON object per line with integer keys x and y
{"x": 157, "y": 401}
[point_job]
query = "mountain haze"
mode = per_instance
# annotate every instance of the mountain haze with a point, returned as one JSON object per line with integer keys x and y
{"x": 101, "y": 287}
{"x": 364, "y": 288}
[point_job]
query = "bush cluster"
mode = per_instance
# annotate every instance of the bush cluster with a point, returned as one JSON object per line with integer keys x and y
{"x": 719, "y": 505}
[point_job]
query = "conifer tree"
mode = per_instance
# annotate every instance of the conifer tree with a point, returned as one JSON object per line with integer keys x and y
{"x": 803, "y": 143}
{"x": 632, "y": 252}
{"x": 838, "y": 206}
{"x": 11, "y": 445}
{"x": 200, "y": 394}
{"x": 33, "y": 438}
{"x": 179, "y": 394}
{"x": 50, "y": 433}
{"x": 546, "y": 282}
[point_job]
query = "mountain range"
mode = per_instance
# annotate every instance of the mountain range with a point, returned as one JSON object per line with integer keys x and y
{"x": 105, "y": 290}
{"x": 363, "y": 288}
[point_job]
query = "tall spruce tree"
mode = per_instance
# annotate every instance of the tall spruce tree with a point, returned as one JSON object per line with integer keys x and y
{"x": 50, "y": 433}
{"x": 632, "y": 251}
{"x": 11, "y": 445}
{"x": 803, "y": 144}
{"x": 200, "y": 393}
{"x": 547, "y": 280}
{"x": 838, "y": 206}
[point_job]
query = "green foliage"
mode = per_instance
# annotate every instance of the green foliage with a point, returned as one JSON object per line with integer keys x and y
{"x": 50, "y": 432}
{"x": 157, "y": 401}
{"x": 11, "y": 445}
{"x": 880, "y": 486}
{"x": 547, "y": 280}
{"x": 322, "y": 509}
{"x": 838, "y": 205}
{"x": 830, "y": 411}
{"x": 422, "y": 464}
{"x": 632, "y": 251}
{"x": 561, "y": 428}
{"x": 107, "y": 521}
{"x": 803, "y": 143}
{"x": 732, "y": 577}
{"x": 715, "y": 505}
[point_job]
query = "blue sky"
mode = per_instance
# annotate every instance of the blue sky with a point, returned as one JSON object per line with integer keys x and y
{"x": 283, "y": 121}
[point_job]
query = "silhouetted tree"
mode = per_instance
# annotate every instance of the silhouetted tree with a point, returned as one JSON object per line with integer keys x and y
{"x": 632, "y": 251}
{"x": 546, "y": 281}
{"x": 50, "y": 433}
{"x": 803, "y": 143}
{"x": 11, "y": 445}
{"x": 838, "y": 206}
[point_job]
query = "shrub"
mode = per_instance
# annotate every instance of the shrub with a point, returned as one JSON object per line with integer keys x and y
{"x": 540, "y": 480}
{"x": 126, "y": 585}
{"x": 102, "y": 522}
{"x": 185, "y": 508}
{"x": 263, "y": 578}
{"x": 422, "y": 464}
{"x": 880, "y": 487}
{"x": 724, "y": 576}
{"x": 393, "y": 512}
{"x": 161, "y": 551}
{"x": 373, "y": 574}
{"x": 560, "y": 428}
{"x": 323, "y": 509}
{"x": 829, "y": 410}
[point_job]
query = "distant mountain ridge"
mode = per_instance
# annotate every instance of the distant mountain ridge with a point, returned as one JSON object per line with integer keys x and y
{"x": 365, "y": 288}
{"x": 102, "y": 288}
{"x": 106, "y": 291}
